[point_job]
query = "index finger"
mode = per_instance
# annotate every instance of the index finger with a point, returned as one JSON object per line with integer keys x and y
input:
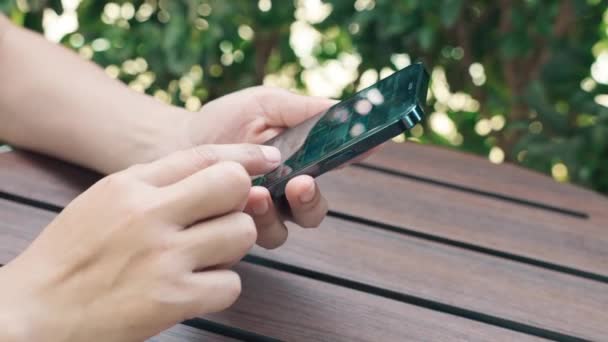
{"x": 256, "y": 159}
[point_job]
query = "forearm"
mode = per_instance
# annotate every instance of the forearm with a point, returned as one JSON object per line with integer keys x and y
{"x": 4, "y": 25}
{"x": 54, "y": 102}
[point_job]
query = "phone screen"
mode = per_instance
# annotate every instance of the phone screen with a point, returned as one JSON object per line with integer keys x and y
{"x": 353, "y": 120}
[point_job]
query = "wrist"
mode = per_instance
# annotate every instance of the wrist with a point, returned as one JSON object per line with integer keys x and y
{"x": 156, "y": 131}
{"x": 161, "y": 132}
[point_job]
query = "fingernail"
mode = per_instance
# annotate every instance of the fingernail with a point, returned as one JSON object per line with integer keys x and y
{"x": 260, "y": 208}
{"x": 272, "y": 154}
{"x": 308, "y": 195}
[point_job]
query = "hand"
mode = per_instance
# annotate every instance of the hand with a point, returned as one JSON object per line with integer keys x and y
{"x": 256, "y": 115}
{"x": 155, "y": 238}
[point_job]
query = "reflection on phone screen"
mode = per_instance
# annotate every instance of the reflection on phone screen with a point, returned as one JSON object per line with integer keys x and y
{"x": 344, "y": 123}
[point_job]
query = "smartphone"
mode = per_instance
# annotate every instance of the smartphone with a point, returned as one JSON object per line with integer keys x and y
{"x": 349, "y": 128}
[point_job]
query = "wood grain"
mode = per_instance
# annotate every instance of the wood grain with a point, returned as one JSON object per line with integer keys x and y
{"x": 291, "y": 307}
{"x": 182, "y": 333}
{"x": 476, "y": 172}
{"x": 491, "y": 223}
{"x": 487, "y": 222}
{"x": 490, "y": 285}
{"x": 50, "y": 180}
{"x": 450, "y": 275}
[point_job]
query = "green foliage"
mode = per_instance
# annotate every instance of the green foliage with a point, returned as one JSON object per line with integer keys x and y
{"x": 518, "y": 68}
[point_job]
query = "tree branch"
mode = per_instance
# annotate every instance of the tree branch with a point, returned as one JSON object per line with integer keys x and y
{"x": 265, "y": 43}
{"x": 561, "y": 27}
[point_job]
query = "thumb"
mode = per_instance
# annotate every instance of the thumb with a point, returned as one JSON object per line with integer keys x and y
{"x": 283, "y": 108}
{"x": 257, "y": 159}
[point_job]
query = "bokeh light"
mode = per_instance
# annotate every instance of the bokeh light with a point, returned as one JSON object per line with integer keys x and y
{"x": 497, "y": 155}
{"x": 559, "y": 171}
{"x": 474, "y": 103}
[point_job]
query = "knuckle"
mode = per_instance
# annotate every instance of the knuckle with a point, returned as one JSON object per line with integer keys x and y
{"x": 135, "y": 204}
{"x": 133, "y": 199}
{"x": 134, "y": 215}
{"x": 234, "y": 169}
{"x": 115, "y": 182}
{"x": 171, "y": 292}
{"x": 265, "y": 92}
{"x": 137, "y": 168}
{"x": 140, "y": 209}
{"x": 166, "y": 246}
{"x": 205, "y": 156}
{"x": 253, "y": 152}
{"x": 247, "y": 229}
{"x": 233, "y": 288}
{"x": 263, "y": 95}
{"x": 227, "y": 290}
{"x": 236, "y": 174}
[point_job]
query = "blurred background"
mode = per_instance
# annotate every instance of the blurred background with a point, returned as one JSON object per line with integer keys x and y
{"x": 515, "y": 81}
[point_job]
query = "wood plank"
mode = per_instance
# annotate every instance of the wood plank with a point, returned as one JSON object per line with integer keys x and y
{"x": 450, "y": 275}
{"x": 460, "y": 168}
{"x": 182, "y": 333}
{"x": 325, "y": 312}
{"x": 380, "y": 209}
{"x": 388, "y": 260}
{"x": 50, "y": 180}
{"x": 491, "y": 223}
{"x": 291, "y": 307}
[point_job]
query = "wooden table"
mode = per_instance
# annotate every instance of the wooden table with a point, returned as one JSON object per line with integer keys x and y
{"x": 421, "y": 244}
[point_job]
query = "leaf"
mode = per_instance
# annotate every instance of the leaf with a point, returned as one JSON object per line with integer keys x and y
{"x": 422, "y": 29}
{"x": 426, "y": 37}
{"x": 56, "y": 5}
{"x": 450, "y": 12}
{"x": 5, "y": 7}
{"x": 514, "y": 45}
